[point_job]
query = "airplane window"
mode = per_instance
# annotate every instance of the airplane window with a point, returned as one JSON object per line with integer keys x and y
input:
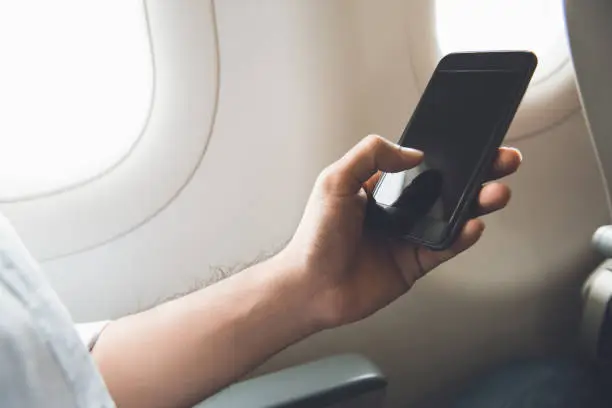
{"x": 76, "y": 84}
{"x": 477, "y": 25}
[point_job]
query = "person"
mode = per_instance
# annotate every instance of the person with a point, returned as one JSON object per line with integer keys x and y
{"x": 331, "y": 273}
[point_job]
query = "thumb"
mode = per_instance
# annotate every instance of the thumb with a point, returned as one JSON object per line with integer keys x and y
{"x": 371, "y": 155}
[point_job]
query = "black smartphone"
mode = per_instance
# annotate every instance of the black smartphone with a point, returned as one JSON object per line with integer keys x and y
{"x": 459, "y": 123}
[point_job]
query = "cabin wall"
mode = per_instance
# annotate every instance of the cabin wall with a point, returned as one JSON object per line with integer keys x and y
{"x": 300, "y": 83}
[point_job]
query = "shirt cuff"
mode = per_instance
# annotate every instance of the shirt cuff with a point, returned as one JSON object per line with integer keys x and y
{"x": 89, "y": 332}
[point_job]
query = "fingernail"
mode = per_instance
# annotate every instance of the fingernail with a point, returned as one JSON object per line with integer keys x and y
{"x": 520, "y": 155}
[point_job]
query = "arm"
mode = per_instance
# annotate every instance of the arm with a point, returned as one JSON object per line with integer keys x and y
{"x": 331, "y": 273}
{"x": 183, "y": 351}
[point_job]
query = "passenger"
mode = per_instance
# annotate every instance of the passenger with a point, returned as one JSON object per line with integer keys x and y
{"x": 331, "y": 273}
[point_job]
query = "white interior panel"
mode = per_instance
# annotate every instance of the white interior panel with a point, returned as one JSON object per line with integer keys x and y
{"x": 183, "y": 42}
{"x": 591, "y": 34}
{"x": 301, "y": 82}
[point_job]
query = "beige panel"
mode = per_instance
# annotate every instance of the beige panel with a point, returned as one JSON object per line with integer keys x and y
{"x": 301, "y": 81}
{"x": 590, "y": 32}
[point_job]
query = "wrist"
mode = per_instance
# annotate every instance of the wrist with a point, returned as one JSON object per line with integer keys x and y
{"x": 299, "y": 282}
{"x": 293, "y": 283}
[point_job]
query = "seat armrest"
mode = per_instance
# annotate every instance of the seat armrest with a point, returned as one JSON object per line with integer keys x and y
{"x": 338, "y": 381}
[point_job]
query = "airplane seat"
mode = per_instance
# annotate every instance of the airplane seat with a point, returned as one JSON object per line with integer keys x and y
{"x": 590, "y": 34}
{"x": 596, "y": 324}
{"x": 341, "y": 381}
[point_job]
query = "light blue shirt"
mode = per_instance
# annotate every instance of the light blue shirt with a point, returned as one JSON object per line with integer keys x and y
{"x": 44, "y": 360}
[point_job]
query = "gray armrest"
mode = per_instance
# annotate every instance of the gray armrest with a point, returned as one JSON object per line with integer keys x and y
{"x": 339, "y": 381}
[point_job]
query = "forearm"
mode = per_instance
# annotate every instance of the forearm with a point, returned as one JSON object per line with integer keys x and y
{"x": 183, "y": 351}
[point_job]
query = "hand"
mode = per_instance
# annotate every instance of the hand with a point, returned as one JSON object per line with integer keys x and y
{"x": 349, "y": 274}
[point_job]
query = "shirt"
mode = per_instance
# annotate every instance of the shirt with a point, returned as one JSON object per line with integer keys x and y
{"x": 44, "y": 358}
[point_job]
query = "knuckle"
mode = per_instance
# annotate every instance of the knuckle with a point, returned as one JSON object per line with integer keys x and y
{"x": 328, "y": 179}
{"x": 373, "y": 141}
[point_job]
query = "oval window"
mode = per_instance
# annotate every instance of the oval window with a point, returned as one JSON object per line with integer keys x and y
{"x": 76, "y": 86}
{"x": 480, "y": 25}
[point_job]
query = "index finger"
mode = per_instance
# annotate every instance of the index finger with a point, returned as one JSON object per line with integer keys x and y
{"x": 507, "y": 162}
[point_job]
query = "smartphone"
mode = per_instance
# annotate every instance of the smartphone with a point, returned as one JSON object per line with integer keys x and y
{"x": 459, "y": 124}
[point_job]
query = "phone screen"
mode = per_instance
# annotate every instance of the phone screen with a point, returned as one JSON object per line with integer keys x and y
{"x": 453, "y": 125}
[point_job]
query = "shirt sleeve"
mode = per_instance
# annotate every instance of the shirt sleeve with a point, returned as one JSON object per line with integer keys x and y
{"x": 89, "y": 332}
